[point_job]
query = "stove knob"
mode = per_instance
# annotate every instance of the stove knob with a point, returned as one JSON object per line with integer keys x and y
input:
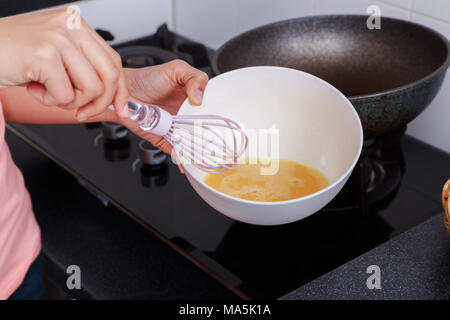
{"x": 150, "y": 155}
{"x": 114, "y": 131}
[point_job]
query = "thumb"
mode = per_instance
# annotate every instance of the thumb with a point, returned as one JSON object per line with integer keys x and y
{"x": 195, "y": 87}
{"x": 193, "y": 80}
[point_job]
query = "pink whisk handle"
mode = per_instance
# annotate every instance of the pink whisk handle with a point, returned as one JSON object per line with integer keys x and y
{"x": 150, "y": 118}
{"x": 198, "y": 139}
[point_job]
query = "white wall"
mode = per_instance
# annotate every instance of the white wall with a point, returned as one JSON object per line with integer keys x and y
{"x": 128, "y": 19}
{"x": 216, "y": 21}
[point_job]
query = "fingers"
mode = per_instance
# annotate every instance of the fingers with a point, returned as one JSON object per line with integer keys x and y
{"x": 192, "y": 79}
{"x": 87, "y": 84}
{"x": 108, "y": 73}
{"x": 65, "y": 67}
{"x": 121, "y": 97}
{"x": 120, "y": 100}
{"x": 56, "y": 87}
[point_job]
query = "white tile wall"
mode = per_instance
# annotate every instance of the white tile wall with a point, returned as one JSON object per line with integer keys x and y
{"x": 215, "y": 21}
{"x": 435, "y": 8}
{"x": 357, "y": 7}
{"x": 405, "y": 4}
{"x": 126, "y": 19}
{"x": 433, "y": 125}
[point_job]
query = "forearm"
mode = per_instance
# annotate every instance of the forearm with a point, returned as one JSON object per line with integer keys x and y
{"x": 19, "y": 106}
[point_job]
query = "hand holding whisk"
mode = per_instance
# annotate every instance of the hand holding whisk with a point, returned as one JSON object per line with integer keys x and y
{"x": 209, "y": 142}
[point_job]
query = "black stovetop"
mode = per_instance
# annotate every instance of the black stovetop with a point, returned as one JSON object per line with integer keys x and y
{"x": 253, "y": 261}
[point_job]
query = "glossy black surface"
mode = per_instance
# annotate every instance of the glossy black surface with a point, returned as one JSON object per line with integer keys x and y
{"x": 260, "y": 262}
{"x": 118, "y": 258}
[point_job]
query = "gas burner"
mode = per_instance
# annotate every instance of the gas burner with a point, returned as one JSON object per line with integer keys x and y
{"x": 162, "y": 47}
{"x": 144, "y": 56}
{"x": 372, "y": 184}
{"x": 375, "y": 173}
{"x": 376, "y": 177}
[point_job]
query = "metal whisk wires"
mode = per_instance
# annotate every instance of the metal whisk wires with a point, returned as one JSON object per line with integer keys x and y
{"x": 211, "y": 143}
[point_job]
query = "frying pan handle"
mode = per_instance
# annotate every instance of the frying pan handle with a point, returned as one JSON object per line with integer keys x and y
{"x": 446, "y": 204}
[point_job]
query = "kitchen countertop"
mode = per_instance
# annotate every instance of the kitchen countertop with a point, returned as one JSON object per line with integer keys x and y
{"x": 413, "y": 265}
{"x": 119, "y": 259}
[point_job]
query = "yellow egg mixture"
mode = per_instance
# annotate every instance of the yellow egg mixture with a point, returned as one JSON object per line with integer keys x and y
{"x": 293, "y": 180}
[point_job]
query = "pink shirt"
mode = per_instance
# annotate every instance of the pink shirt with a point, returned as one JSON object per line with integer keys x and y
{"x": 20, "y": 238}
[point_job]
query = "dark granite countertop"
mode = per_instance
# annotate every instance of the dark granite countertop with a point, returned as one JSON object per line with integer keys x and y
{"x": 120, "y": 259}
{"x": 413, "y": 265}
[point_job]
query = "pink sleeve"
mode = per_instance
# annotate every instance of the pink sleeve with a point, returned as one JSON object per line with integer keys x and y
{"x": 19, "y": 232}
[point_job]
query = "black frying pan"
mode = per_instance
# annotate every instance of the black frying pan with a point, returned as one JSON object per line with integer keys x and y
{"x": 390, "y": 75}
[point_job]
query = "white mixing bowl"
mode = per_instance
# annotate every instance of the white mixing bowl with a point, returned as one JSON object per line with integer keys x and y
{"x": 317, "y": 124}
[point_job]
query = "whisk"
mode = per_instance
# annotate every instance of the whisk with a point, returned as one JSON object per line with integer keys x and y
{"x": 211, "y": 143}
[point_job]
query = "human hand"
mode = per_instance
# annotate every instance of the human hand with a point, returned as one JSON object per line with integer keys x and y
{"x": 167, "y": 86}
{"x": 68, "y": 68}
